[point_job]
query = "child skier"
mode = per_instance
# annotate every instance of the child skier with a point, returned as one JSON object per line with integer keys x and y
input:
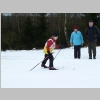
{"x": 48, "y": 48}
{"x": 76, "y": 40}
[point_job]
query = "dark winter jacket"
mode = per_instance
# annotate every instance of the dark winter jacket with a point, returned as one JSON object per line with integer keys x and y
{"x": 92, "y": 33}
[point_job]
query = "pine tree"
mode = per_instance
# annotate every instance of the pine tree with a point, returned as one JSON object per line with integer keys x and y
{"x": 27, "y": 34}
{"x": 41, "y": 34}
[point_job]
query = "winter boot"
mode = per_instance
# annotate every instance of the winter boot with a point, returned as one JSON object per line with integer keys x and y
{"x": 52, "y": 68}
{"x": 43, "y": 66}
{"x": 94, "y": 57}
{"x": 90, "y": 57}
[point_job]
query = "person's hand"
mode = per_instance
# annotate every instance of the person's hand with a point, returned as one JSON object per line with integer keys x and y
{"x": 71, "y": 44}
{"x": 95, "y": 37}
{"x": 82, "y": 44}
{"x": 49, "y": 54}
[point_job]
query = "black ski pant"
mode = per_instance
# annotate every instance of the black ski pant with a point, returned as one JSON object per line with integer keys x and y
{"x": 77, "y": 52}
{"x": 92, "y": 47}
{"x": 50, "y": 60}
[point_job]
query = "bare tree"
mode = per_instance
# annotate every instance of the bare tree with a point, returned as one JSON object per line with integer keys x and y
{"x": 65, "y": 30}
{"x": 17, "y": 18}
{"x": 59, "y": 27}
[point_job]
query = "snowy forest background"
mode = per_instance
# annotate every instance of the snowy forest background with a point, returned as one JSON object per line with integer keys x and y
{"x": 25, "y": 31}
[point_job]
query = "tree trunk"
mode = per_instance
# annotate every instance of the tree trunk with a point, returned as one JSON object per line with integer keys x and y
{"x": 17, "y": 18}
{"x": 59, "y": 27}
{"x": 65, "y": 30}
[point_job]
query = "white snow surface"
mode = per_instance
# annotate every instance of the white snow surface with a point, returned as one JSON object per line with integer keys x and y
{"x": 72, "y": 73}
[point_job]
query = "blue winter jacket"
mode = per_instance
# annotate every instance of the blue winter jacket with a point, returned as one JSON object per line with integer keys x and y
{"x": 76, "y": 38}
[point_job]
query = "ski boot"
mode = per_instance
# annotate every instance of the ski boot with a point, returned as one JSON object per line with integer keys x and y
{"x": 43, "y": 66}
{"x": 52, "y": 68}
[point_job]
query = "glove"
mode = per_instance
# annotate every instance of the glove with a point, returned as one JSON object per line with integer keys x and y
{"x": 81, "y": 44}
{"x": 49, "y": 54}
{"x": 71, "y": 44}
{"x": 95, "y": 37}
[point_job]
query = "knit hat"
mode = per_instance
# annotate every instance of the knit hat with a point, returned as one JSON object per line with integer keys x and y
{"x": 90, "y": 20}
{"x": 75, "y": 27}
{"x": 54, "y": 34}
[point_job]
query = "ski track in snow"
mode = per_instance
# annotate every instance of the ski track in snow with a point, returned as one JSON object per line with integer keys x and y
{"x": 72, "y": 73}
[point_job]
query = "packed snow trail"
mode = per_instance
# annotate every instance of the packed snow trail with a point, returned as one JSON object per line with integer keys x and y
{"x": 72, "y": 73}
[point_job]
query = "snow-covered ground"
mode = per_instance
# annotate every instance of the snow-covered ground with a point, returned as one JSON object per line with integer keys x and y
{"x": 72, "y": 73}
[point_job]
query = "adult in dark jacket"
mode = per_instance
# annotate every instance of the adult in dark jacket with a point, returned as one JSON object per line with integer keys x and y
{"x": 92, "y": 33}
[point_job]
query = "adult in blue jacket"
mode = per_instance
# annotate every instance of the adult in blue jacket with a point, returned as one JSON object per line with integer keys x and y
{"x": 76, "y": 39}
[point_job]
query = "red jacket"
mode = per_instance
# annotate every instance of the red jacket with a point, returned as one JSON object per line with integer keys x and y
{"x": 49, "y": 45}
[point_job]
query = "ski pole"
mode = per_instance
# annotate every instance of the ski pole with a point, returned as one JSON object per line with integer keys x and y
{"x": 38, "y": 63}
{"x": 44, "y": 59}
{"x": 57, "y": 53}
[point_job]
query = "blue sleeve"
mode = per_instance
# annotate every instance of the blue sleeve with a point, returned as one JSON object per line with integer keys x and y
{"x": 82, "y": 38}
{"x": 71, "y": 38}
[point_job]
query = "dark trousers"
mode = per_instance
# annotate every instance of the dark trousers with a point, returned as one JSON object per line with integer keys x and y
{"x": 50, "y": 60}
{"x": 77, "y": 52}
{"x": 92, "y": 47}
